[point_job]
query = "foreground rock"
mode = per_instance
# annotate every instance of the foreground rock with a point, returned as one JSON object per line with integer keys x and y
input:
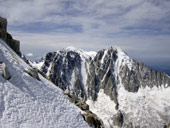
{"x": 88, "y": 116}
{"x": 33, "y": 72}
{"x": 4, "y": 71}
{"x": 4, "y": 35}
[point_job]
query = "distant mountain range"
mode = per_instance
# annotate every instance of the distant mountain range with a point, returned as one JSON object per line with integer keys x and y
{"x": 118, "y": 89}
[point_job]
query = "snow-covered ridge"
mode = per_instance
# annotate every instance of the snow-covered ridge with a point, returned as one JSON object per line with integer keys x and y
{"x": 28, "y": 103}
{"x": 116, "y": 80}
{"x": 123, "y": 58}
{"x": 85, "y": 54}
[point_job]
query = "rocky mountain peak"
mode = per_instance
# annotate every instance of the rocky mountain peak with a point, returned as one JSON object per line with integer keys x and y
{"x": 89, "y": 71}
{"x": 92, "y": 75}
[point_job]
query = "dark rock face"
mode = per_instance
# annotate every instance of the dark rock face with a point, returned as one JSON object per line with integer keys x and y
{"x": 64, "y": 68}
{"x": 4, "y": 35}
{"x": 142, "y": 76}
{"x": 99, "y": 73}
{"x": 93, "y": 120}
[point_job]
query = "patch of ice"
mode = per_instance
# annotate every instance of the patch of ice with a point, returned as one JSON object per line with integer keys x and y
{"x": 84, "y": 74}
{"x": 72, "y": 82}
{"x": 49, "y": 69}
{"x": 105, "y": 53}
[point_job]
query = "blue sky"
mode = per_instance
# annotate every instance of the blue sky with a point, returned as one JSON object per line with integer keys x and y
{"x": 139, "y": 27}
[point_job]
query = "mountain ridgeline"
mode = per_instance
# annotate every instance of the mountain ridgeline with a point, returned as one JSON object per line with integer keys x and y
{"x": 131, "y": 86}
{"x": 4, "y": 35}
{"x": 85, "y": 75}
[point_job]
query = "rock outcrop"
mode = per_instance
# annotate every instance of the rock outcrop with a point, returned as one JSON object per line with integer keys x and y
{"x": 88, "y": 116}
{"x": 33, "y": 72}
{"x": 118, "y": 119}
{"x": 4, "y": 35}
{"x": 142, "y": 76}
{"x": 4, "y": 71}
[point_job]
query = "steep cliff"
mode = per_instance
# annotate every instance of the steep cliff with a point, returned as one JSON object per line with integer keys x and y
{"x": 4, "y": 35}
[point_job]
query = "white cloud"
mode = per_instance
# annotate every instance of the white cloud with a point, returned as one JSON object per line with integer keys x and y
{"x": 137, "y": 26}
{"x": 29, "y": 54}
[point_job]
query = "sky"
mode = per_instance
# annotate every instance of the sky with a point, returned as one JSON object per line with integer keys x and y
{"x": 140, "y": 27}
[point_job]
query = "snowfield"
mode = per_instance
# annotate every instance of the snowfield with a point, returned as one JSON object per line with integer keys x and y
{"x": 28, "y": 103}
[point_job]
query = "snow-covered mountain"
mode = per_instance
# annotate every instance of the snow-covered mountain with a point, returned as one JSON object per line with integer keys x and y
{"x": 26, "y": 102}
{"x": 118, "y": 89}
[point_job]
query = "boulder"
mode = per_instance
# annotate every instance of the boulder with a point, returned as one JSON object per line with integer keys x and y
{"x": 93, "y": 120}
{"x": 82, "y": 105}
{"x": 71, "y": 96}
{"x": 118, "y": 119}
{"x": 5, "y": 72}
{"x": 33, "y": 72}
{"x": 130, "y": 125}
{"x": 67, "y": 92}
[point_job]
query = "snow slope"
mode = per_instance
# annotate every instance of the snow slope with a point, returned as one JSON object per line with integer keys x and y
{"x": 28, "y": 103}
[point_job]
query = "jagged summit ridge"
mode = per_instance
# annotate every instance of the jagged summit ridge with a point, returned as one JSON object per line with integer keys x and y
{"x": 108, "y": 73}
{"x": 121, "y": 64}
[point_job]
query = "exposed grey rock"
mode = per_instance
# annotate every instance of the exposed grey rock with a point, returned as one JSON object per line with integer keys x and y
{"x": 4, "y": 35}
{"x": 118, "y": 119}
{"x": 89, "y": 117}
{"x": 67, "y": 92}
{"x": 33, "y": 72}
{"x": 71, "y": 96}
{"x": 142, "y": 76}
{"x": 5, "y": 72}
{"x": 93, "y": 120}
{"x": 62, "y": 67}
{"x": 81, "y": 104}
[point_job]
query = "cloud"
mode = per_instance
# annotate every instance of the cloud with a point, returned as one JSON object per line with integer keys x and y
{"x": 140, "y": 27}
{"x": 29, "y": 54}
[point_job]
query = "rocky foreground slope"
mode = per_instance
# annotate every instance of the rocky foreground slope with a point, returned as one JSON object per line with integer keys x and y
{"x": 27, "y": 99}
{"x": 120, "y": 90}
